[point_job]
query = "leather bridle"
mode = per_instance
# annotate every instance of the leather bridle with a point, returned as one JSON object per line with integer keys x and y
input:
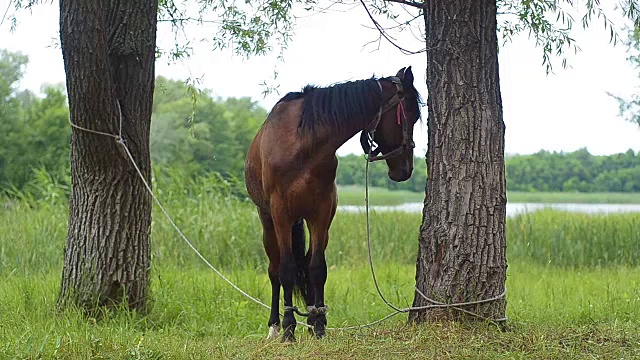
{"x": 401, "y": 117}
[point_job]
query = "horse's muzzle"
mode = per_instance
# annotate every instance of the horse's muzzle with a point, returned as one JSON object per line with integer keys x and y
{"x": 399, "y": 175}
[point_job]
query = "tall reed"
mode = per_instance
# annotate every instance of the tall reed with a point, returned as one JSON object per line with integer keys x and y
{"x": 225, "y": 228}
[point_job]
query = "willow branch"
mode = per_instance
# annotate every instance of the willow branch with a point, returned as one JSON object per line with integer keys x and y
{"x": 190, "y": 20}
{"x": 407, "y": 2}
{"x": 383, "y": 33}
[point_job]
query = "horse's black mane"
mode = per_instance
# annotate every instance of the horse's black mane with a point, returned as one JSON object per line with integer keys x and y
{"x": 334, "y": 106}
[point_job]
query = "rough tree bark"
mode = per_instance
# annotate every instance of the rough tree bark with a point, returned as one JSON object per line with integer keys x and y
{"x": 462, "y": 238}
{"x": 109, "y": 56}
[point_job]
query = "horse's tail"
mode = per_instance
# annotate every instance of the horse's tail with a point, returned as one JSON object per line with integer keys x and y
{"x": 302, "y": 269}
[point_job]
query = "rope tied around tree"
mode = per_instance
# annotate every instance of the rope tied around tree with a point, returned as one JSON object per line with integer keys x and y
{"x": 120, "y": 140}
{"x": 435, "y": 304}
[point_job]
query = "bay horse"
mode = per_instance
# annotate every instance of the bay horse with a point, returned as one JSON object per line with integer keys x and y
{"x": 290, "y": 173}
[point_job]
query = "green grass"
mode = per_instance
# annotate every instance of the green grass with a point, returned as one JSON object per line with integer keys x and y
{"x": 573, "y": 289}
{"x": 354, "y": 195}
{"x": 552, "y": 313}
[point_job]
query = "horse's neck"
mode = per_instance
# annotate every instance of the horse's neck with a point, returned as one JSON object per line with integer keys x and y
{"x": 332, "y": 139}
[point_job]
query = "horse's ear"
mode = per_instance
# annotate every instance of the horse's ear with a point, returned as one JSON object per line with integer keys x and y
{"x": 400, "y": 73}
{"x": 407, "y": 80}
{"x": 364, "y": 142}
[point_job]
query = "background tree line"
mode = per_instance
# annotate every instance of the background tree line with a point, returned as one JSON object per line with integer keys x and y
{"x": 577, "y": 171}
{"x": 196, "y": 134}
{"x": 574, "y": 171}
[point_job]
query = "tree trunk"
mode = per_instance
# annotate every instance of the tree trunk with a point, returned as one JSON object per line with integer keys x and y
{"x": 462, "y": 243}
{"x": 109, "y": 56}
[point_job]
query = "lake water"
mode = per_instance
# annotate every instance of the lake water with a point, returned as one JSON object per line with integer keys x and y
{"x": 513, "y": 208}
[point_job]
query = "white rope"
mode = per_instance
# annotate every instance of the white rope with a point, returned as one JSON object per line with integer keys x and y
{"x": 94, "y": 131}
{"x": 436, "y": 304}
{"x": 366, "y": 203}
{"x": 184, "y": 237}
{"x": 457, "y": 306}
{"x": 120, "y": 140}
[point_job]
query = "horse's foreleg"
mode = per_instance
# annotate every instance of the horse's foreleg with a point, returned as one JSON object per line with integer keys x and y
{"x": 270, "y": 243}
{"x": 311, "y": 296}
{"x": 318, "y": 265}
{"x": 286, "y": 273}
{"x": 274, "y": 318}
{"x": 318, "y": 276}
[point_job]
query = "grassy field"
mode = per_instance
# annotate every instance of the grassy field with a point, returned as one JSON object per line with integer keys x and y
{"x": 559, "y": 314}
{"x": 573, "y": 289}
{"x": 354, "y": 195}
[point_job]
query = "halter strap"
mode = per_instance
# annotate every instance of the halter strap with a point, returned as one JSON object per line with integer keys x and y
{"x": 401, "y": 116}
{"x": 371, "y": 128}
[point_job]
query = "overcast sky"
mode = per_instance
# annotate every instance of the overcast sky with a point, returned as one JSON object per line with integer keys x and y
{"x": 558, "y": 112}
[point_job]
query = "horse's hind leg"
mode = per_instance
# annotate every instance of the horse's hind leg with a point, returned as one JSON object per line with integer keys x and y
{"x": 271, "y": 248}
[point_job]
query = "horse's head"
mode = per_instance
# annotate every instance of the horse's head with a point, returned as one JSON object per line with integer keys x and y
{"x": 393, "y": 127}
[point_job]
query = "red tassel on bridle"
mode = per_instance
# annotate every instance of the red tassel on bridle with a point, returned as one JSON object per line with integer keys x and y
{"x": 400, "y": 111}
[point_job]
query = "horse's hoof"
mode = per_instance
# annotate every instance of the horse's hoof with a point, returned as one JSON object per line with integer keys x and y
{"x": 319, "y": 330}
{"x": 274, "y": 331}
{"x": 317, "y": 327}
{"x": 288, "y": 338}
